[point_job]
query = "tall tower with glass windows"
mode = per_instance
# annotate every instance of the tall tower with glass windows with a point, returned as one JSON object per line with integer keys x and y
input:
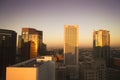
{"x": 101, "y": 46}
{"x": 71, "y": 44}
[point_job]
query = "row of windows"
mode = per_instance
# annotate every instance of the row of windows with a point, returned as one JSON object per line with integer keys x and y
{"x": 31, "y": 36}
{"x": 25, "y": 33}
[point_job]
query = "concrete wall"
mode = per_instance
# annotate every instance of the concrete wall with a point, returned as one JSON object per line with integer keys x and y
{"x": 46, "y": 71}
{"x": 20, "y": 73}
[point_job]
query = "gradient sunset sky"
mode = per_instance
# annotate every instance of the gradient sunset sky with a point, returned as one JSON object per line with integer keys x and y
{"x": 50, "y": 16}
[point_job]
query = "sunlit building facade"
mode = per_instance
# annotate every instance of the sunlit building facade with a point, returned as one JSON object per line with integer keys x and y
{"x": 101, "y": 46}
{"x": 101, "y": 38}
{"x": 32, "y": 43}
{"x": 71, "y": 50}
{"x": 71, "y": 44}
{"x": 31, "y": 70}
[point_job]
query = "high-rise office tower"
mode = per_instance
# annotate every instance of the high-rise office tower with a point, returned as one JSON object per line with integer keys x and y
{"x": 7, "y": 50}
{"x": 71, "y": 44}
{"x": 32, "y": 40}
{"x": 101, "y": 46}
{"x": 71, "y": 51}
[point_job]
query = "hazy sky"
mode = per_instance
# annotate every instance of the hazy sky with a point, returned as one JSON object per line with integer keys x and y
{"x": 51, "y": 15}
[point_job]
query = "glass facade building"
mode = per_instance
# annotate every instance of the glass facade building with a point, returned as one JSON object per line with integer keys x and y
{"x": 71, "y": 44}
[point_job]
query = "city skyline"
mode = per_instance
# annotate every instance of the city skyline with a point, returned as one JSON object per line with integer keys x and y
{"x": 51, "y": 16}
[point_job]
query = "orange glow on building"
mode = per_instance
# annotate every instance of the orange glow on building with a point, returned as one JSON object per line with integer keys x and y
{"x": 101, "y": 38}
{"x": 60, "y": 57}
{"x": 70, "y": 38}
{"x": 34, "y": 45}
{"x": 71, "y": 44}
{"x": 32, "y": 69}
{"x": 21, "y": 73}
{"x": 33, "y": 39}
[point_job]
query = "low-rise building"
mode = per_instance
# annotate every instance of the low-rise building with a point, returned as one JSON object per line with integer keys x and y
{"x": 31, "y": 70}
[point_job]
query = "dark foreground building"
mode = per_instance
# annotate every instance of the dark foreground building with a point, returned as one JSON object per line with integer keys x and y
{"x": 7, "y": 50}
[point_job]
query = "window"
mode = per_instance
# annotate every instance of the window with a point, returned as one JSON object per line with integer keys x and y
{"x": 26, "y": 32}
{"x": 3, "y": 37}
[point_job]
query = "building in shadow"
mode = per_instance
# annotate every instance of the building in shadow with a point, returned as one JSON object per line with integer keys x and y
{"x": 87, "y": 67}
{"x": 7, "y": 50}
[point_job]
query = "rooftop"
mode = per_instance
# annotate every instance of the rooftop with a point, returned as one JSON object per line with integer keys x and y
{"x": 28, "y": 63}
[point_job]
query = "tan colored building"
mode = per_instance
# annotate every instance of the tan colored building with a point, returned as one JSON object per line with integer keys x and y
{"x": 71, "y": 50}
{"x": 31, "y": 70}
{"x": 70, "y": 38}
{"x": 70, "y": 44}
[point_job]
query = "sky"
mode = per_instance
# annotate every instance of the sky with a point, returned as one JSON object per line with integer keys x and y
{"x": 50, "y": 16}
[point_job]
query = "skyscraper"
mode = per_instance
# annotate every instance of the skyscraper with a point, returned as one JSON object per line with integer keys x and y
{"x": 71, "y": 50}
{"x": 32, "y": 42}
{"x": 71, "y": 44}
{"x": 7, "y": 50}
{"x": 101, "y": 46}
